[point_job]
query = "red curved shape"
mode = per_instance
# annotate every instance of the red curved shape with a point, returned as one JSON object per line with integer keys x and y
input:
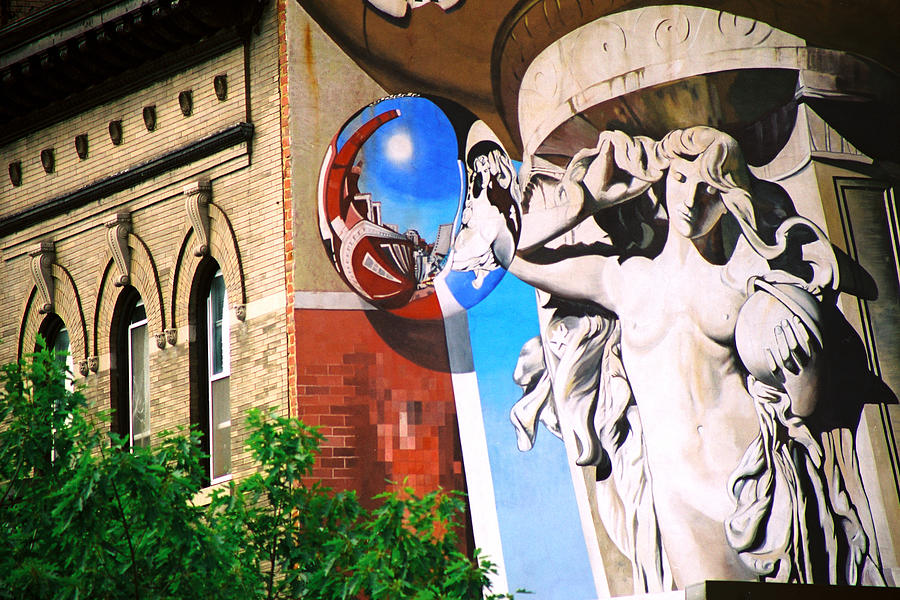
{"x": 342, "y": 162}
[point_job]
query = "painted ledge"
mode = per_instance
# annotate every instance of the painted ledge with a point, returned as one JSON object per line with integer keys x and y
{"x": 330, "y": 301}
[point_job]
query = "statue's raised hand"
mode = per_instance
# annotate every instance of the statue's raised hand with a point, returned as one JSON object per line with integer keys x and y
{"x": 619, "y": 168}
{"x": 601, "y": 172}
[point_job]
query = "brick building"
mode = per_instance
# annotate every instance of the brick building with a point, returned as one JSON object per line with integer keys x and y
{"x": 146, "y": 225}
{"x": 142, "y": 144}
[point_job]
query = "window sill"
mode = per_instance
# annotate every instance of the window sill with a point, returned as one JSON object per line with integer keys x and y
{"x": 204, "y": 496}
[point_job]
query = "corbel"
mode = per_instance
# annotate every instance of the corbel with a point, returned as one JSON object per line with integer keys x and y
{"x": 94, "y": 363}
{"x": 160, "y": 339}
{"x": 240, "y": 311}
{"x": 83, "y": 367}
{"x": 172, "y": 336}
{"x": 197, "y": 197}
{"x": 220, "y": 85}
{"x": 48, "y": 160}
{"x": 41, "y": 260}
{"x": 117, "y": 232}
{"x": 149, "y": 114}
{"x": 186, "y": 102}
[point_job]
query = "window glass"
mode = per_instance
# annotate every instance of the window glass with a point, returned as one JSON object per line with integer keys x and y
{"x": 218, "y": 327}
{"x": 61, "y": 342}
{"x": 56, "y": 335}
{"x": 62, "y": 346}
{"x": 219, "y": 389}
{"x": 57, "y": 338}
{"x": 139, "y": 388}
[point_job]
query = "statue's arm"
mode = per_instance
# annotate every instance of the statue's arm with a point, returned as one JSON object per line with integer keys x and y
{"x": 587, "y": 278}
{"x": 592, "y": 181}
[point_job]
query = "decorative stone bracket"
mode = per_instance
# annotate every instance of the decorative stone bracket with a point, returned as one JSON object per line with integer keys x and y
{"x": 197, "y": 197}
{"x": 117, "y": 240}
{"x": 41, "y": 260}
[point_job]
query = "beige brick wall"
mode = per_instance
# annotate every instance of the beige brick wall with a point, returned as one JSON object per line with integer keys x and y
{"x": 247, "y": 215}
{"x": 173, "y": 130}
{"x": 326, "y": 88}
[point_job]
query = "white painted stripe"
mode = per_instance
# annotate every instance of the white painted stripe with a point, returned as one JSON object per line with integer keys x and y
{"x": 331, "y": 301}
{"x": 473, "y": 441}
{"x": 479, "y": 482}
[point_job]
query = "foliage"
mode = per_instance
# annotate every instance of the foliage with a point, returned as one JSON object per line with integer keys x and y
{"x": 82, "y": 516}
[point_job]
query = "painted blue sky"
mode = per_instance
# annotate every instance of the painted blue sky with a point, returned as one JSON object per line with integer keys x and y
{"x": 543, "y": 546}
{"x": 410, "y": 164}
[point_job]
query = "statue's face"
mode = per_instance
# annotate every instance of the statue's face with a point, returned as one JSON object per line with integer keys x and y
{"x": 694, "y": 206}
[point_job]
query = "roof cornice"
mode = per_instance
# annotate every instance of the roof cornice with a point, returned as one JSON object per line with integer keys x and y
{"x": 78, "y": 45}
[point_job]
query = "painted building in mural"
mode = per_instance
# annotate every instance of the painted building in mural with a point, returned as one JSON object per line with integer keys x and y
{"x": 665, "y": 234}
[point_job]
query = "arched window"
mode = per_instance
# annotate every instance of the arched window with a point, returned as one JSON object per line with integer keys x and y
{"x": 131, "y": 381}
{"x": 211, "y": 365}
{"x": 56, "y": 336}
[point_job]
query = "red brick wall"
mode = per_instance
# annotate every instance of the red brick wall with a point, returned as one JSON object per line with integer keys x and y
{"x": 287, "y": 198}
{"x": 387, "y": 414}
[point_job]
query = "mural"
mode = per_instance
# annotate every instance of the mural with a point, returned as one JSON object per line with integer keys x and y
{"x": 679, "y": 315}
{"x": 415, "y": 196}
{"x": 400, "y": 8}
{"x": 692, "y": 368}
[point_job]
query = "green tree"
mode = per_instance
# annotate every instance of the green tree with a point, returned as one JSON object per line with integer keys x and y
{"x": 82, "y": 516}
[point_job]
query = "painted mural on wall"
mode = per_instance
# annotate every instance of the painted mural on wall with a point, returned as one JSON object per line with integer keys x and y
{"x": 686, "y": 349}
{"x": 691, "y": 352}
{"x": 418, "y": 206}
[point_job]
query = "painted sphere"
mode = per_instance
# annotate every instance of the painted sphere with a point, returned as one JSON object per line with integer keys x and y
{"x": 418, "y": 206}
{"x": 765, "y": 310}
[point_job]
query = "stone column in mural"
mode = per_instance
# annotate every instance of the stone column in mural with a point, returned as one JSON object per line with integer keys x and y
{"x": 694, "y": 347}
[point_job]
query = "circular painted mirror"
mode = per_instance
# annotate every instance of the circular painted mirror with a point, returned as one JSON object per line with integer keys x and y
{"x": 418, "y": 206}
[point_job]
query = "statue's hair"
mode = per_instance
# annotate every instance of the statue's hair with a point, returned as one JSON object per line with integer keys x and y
{"x": 722, "y": 166}
{"x": 720, "y": 160}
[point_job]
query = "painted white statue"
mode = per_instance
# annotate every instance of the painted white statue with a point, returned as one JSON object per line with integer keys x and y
{"x": 685, "y": 351}
{"x": 490, "y": 218}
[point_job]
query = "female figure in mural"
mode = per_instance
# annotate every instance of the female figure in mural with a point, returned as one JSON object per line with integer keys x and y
{"x": 490, "y": 217}
{"x": 713, "y": 438}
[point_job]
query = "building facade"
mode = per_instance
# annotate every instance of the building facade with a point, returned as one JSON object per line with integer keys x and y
{"x": 142, "y": 147}
{"x": 153, "y": 152}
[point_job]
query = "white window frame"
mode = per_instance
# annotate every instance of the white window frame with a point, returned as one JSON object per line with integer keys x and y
{"x": 70, "y": 362}
{"x": 131, "y": 327}
{"x": 212, "y": 377}
{"x": 70, "y": 381}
